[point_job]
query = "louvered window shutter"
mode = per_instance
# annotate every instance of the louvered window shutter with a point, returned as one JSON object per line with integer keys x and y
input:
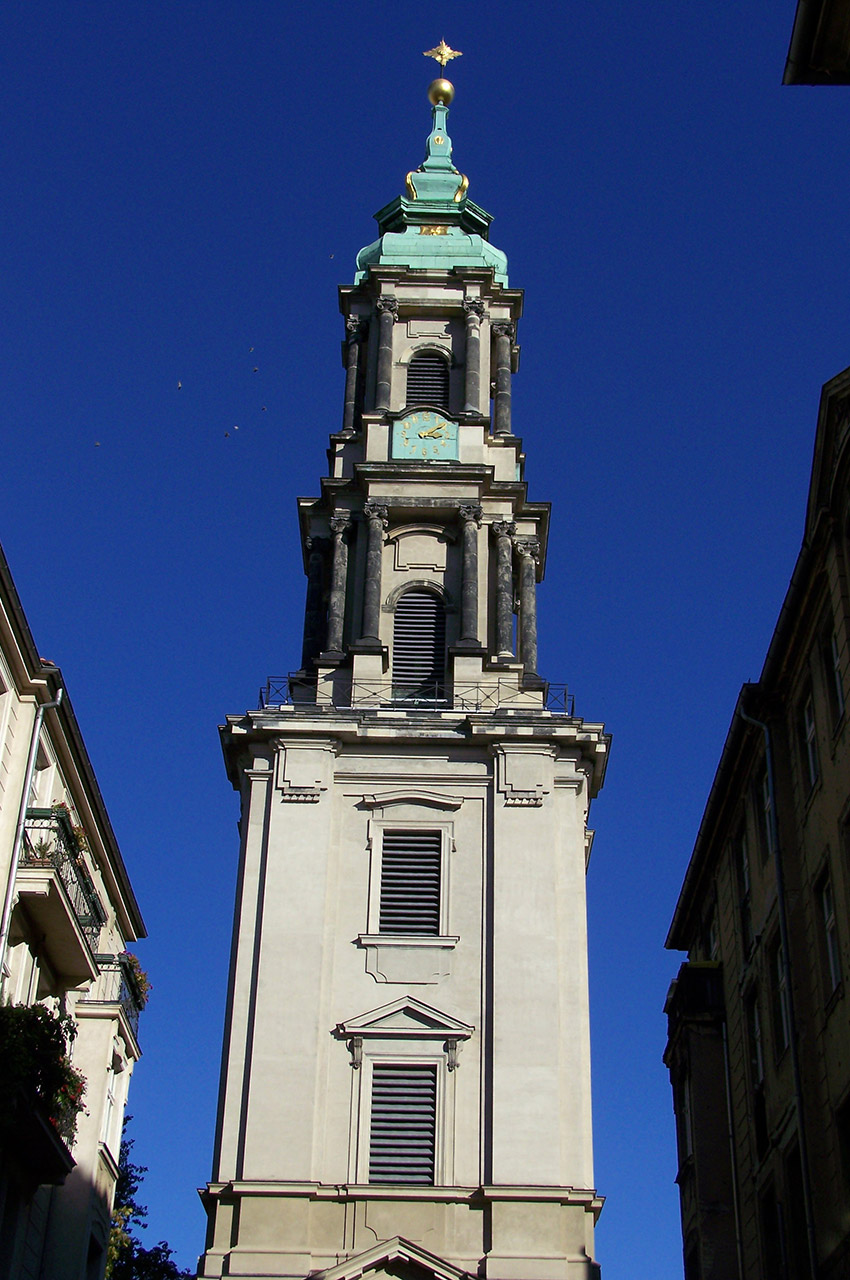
{"x": 419, "y": 646}
{"x": 404, "y": 1123}
{"x": 428, "y": 380}
{"x": 410, "y": 882}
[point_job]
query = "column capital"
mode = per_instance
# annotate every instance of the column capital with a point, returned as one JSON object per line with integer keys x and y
{"x": 317, "y": 545}
{"x": 340, "y": 524}
{"x": 504, "y": 329}
{"x": 503, "y": 528}
{"x": 387, "y": 305}
{"x": 528, "y": 547}
{"x": 470, "y": 511}
{"x": 376, "y": 511}
{"x": 355, "y": 328}
{"x": 474, "y": 308}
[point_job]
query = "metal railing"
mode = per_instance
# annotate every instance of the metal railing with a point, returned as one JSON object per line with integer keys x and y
{"x": 339, "y": 690}
{"x": 116, "y": 984}
{"x": 51, "y": 841}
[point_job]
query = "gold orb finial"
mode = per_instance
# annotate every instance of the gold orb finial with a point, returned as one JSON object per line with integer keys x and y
{"x": 442, "y": 53}
{"x": 441, "y": 91}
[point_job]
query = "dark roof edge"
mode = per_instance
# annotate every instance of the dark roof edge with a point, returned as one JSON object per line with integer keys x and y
{"x": 65, "y": 711}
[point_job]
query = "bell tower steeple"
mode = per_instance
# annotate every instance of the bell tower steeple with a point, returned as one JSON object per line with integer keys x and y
{"x": 406, "y": 1071}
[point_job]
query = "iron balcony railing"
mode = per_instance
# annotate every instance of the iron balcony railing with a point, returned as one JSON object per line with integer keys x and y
{"x": 116, "y": 984}
{"x": 51, "y": 841}
{"x": 297, "y": 690}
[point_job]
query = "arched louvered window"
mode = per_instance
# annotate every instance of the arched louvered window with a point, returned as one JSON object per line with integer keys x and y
{"x": 428, "y": 380}
{"x": 419, "y": 646}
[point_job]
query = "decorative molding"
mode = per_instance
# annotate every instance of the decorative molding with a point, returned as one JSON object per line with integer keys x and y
{"x": 433, "y": 799}
{"x": 524, "y": 774}
{"x": 304, "y": 770}
{"x": 391, "y": 601}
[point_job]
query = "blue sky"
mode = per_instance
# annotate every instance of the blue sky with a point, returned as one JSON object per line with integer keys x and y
{"x": 183, "y": 188}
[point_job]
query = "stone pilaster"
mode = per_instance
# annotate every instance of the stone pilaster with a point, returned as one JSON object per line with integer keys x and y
{"x": 387, "y": 309}
{"x": 474, "y": 309}
{"x": 354, "y": 346}
{"x": 340, "y": 527}
{"x": 376, "y": 517}
{"x": 503, "y": 531}
{"x": 470, "y": 518}
{"x": 528, "y": 549}
{"x": 504, "y": 333}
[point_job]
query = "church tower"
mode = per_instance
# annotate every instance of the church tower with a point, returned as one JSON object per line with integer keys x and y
{"x": 406, "y": 1069}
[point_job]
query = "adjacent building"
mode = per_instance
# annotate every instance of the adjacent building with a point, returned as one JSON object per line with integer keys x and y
{"x": 406, "y": 1071}
{"x": 71, "y": 995}
{"x": 819, "y": 52}
{"x": 759, "y": 1034}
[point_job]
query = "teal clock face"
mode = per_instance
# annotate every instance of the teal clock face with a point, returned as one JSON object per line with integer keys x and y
{"x": 425, "y": 435}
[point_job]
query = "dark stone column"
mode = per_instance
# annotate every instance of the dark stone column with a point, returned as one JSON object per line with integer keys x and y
{"x": 470, "y": 515}
{"x": 503, "y": 531}
{"x": 376, "y": 522}
{"x": 504, "y": 334}
{"x": 340, "y": 526}
{"x": 354, "y": 337}
{"x": 528, "y": 550}
{"x": 387, "y": 309}
{"x": 472, "y": 386}
{"x": 313, "y": 619}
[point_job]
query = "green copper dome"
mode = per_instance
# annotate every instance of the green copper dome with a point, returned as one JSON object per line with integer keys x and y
{"x": 435, "y": 226}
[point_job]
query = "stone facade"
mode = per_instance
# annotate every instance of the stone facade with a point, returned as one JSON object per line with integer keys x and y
{"x": 759, "y": 1039}
{"x": 414, "y": 840}
{"x": 72, "y": 914}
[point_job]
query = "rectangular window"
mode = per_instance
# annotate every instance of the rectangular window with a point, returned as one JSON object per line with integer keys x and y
{"x": 809, "y": 744}
{"x": 781, "y": 1011}
{"x": 764, "y": 815}
{"x": 742, "y": 865}
{"x": 410, "y": 882}
{"x": 404, "y": 1123}
{"x": 832, "y": 675}
{"x": 759, "y": 1111}
{"x": 831, "y": 952}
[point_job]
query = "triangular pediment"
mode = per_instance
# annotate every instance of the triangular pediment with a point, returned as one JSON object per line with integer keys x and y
{"x": 396, "y": 1257}
{"x": 406, "y": 1017}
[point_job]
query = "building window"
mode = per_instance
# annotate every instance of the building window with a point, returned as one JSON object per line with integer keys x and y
{"x": 419, "y": 647}
{"x": 779, "y": 992}
{"x": 764, "y": 815}
{"x": 756, "y": 1054}
{"x": 829, "y": 934}
{"x": 428, "y": 380}
{"x": 808, "y": 743}
{"x": 742, "y": 868}
{"x": 774, "y": 1258}
{"x": 411, "y": 866}
{"x": 402, "y": 1140}
{"x": 832, "y": 675}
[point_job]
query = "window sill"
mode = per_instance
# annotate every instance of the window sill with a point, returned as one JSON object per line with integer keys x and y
{"x": 407, "y": 940}
{"x": 407, "y": 958}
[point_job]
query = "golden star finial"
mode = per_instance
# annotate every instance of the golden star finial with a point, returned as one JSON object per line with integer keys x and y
{"x": 442, "y": 53}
